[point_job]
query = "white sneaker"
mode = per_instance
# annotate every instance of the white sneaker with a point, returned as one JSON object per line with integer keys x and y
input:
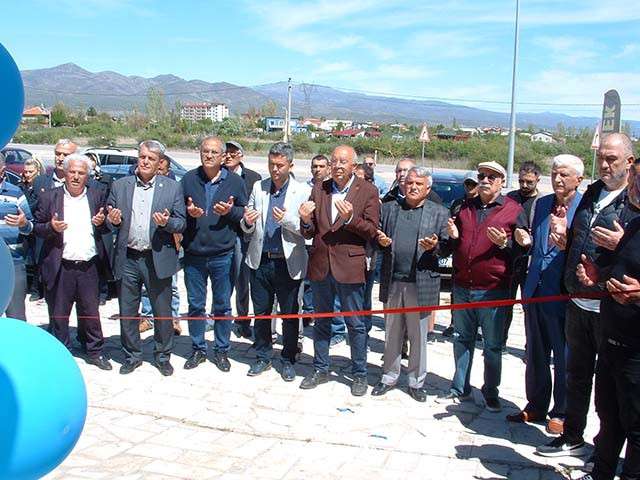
{"x": 562, "y": 447}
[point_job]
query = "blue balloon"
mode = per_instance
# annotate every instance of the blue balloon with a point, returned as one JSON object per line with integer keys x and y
{"x": 43, "y": 401}
{"x": 11, "y": 97}
{"x": 7, "y": 276}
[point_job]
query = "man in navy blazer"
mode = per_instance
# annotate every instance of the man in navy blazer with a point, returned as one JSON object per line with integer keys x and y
{"x": 70, "y": 220}
{"x": 544, "y": 322}
{"x": 146, "y": 209}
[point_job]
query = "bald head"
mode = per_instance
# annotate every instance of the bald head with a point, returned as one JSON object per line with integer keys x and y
{"x": 402, "y": 168}
{"x": 622, "y": 140}
{"x": 615, "y": 157}
{"x": 343, "y": 162}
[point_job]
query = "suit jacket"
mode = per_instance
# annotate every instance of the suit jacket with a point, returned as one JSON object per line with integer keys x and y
{"x": 51, "y": 202}
{"x": 546, "y": 267}
{"x": 339, "y": 248}
{"x": 292, "y": 240}
{"x": 433, "y": 220}
{"x": 250, "y": 178}
{"x": 167, "y": 194}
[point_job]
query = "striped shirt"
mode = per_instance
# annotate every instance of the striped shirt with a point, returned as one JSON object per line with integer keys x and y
{"x": 12, "y": 198}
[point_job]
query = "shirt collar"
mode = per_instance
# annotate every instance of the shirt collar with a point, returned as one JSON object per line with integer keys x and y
{"x": 68, "y": 194}
{"x": 497, "y": 201}
{"x": 345, "y": 190}
{"x": 282, "y": 189}
{"x": 223, "y": 174}
{"x": 147, "y": 185}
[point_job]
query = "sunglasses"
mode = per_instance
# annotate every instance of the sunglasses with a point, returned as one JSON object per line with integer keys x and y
{"x": 492, "y": 176}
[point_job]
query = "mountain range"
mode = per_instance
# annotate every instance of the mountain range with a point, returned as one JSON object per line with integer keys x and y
{"x": 114, "y": 92}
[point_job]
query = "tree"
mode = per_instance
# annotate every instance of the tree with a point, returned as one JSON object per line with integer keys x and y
{"x": 269, "y": 109}
{"x": 156, "y": 109}
{"x": 91, "y": 112}
{"x": 59, "y": 115}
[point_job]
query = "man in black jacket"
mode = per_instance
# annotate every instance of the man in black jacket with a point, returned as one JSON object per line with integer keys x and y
{"x": 617, "y": 385}
{"x": 240, "y": 271}
{"x": 597, "y": 227}
{"x": 215, "y": 199}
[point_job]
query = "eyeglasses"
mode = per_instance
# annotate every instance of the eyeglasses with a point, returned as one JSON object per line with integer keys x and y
{"x": 491, "y": 177}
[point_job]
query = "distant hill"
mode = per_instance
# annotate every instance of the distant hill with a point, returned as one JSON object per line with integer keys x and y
{"x": 114, "y": 92}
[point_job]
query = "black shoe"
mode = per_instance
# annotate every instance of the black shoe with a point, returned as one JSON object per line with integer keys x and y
{"x": 562, "y": 446}
{"x": 288, "y": 373}
{"x": 129, "y": 366}
{"x": 448, "y": 332}
{"x": 314, "y": 379}
{"x": 100, "y": 361}
{"x": 165, "y": 368}
{"x": 359, "y": 386}
{"x": 221, "y": 361}
{"x": 196, "y": 358}
{"x": 418, "y": 394}
{"x": 259, "y": 367}
{"x": 493, "y": 405}
{"x": 380, "y": 389}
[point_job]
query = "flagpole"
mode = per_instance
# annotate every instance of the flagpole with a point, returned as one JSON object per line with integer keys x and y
{"x": 512, "y": 132}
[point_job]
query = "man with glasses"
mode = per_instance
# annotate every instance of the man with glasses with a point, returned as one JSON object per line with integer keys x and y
{"x": 64, "y": 147}
{"x": 240, "y": 270}
{"x": 481, "y": 237}
{"x": 378, "y": 181}
{"x": 215, "y": 199}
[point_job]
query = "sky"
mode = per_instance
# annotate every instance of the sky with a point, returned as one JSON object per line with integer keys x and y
{"x": 570, "y": 53}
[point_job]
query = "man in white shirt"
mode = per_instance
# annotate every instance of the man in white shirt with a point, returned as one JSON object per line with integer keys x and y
{"x": 70, "y": 219}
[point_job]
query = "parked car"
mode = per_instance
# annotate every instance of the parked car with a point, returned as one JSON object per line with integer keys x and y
{"x": 120, "y": 163}
{"x": 15, "y": 158}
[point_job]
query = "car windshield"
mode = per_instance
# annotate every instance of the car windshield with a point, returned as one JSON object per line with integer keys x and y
{"x": 448, "y": 191}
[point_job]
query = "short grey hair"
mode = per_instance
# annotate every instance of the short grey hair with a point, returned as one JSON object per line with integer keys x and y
{"x": 282, "y": 149}
{"x": 153, "y": 146}
{"x": 223, "y": 145}
{"x": 64, "y": 141}
{"x": 422, "y": 172}
{"x": 76, "y": 157}
{"x": 570, "y": 161}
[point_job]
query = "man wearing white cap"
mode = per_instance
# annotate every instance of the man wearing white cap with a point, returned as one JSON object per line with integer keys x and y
{"x": 481, "y": 237}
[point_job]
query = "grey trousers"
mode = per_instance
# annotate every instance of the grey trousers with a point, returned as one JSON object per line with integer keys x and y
{"x": 403, "y": 294}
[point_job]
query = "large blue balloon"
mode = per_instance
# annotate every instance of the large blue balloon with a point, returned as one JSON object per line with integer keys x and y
{"x": 7, "y": 276}
{"x": 11, "y": 97}
{"x": 43, "y": 401}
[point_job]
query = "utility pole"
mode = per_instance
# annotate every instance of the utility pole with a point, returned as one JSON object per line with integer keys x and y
{"x": 512, "y": 131}
{"x": 287, "y": 120}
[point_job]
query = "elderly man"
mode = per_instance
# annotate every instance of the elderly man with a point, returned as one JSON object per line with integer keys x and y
{"x": 378, "y": 181}
{"x": 64, "y": 147}
{"x": 15, "y": 221}
{"x": 240, "y": 270}
{"x": 277, "y": 256}
{"x": 215, "y": 199}
{"x": 482, "y": 239}
{"x": 70, "y": 220}
{"x": 617, "y": 391}
{"x": 596, "y": 230}
{"x": 413, "y": 235}
{"x": 146, "y": 210}
{"x": 341, "y": 216}
{"x": 545, "y": 322}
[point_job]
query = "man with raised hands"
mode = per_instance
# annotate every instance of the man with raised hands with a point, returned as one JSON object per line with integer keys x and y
{"x": 215, "y": 200}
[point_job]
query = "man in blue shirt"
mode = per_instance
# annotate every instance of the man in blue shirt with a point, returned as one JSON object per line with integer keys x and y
{"x": 15, "y": 220}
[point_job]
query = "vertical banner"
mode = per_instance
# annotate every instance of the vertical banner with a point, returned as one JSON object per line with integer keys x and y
{"x": 611, "y": 113}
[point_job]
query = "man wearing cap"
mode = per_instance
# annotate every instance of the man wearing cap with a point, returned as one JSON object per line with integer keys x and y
{"x": 240, "y": 270}
{"x": 215, "y": 199}
{"x": 482, "y": 241}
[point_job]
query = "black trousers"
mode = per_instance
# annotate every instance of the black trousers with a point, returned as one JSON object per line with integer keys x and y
{"x": 77, "y": 282}
{"x": 270, "y": 281}
{"x": 583, "y": 334}
{"x": 617, "y": 398}
{"x": 138, "y": 270}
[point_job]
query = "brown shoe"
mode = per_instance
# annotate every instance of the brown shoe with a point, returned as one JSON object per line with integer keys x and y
{"x": 555, "y": 426}
{"x": 145, "y": 325}
{"x": 525, "y": 417}
{"x": 177, "y": 329}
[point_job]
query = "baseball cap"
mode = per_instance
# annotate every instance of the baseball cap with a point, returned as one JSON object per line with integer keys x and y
{"x": 493, "y": 166}
{"x": 234, "y": 145}
{"x": 471, "y": 175}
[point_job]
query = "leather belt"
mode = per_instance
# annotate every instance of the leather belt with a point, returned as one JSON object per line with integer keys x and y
{"x": 132, "y": 252}
{"x": 78, "y": 263}
{"x": 273, "y": 255}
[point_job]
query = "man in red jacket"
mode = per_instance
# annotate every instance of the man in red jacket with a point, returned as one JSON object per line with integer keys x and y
{"x": 482, "y": 241}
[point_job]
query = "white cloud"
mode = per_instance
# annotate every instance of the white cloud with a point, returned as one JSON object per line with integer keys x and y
{"x": 567, "y": 50}
{"x": 629, "y": 50}
{"x": 449, "y": 44}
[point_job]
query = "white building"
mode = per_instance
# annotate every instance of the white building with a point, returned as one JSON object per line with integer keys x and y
{"x": 201, "y": 111}
{"x": 329, "y": 125}
{"x": 545, "y": 137}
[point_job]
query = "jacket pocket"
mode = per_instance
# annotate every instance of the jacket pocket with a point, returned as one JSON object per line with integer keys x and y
{"x": 356, "y": 251}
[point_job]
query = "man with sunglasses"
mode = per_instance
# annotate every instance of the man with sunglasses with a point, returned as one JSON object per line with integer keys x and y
{"x": 481, "y": 237}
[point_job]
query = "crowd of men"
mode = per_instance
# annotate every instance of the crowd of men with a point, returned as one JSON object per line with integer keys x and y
{"x": 313, "y": 247}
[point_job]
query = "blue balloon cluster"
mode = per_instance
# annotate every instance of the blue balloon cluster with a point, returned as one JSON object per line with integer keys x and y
{"x": 11, "y": 96}
{"x": 43, "y": 401}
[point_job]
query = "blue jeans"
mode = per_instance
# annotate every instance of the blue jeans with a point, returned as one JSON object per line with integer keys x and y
{"x": 338, "y": 327}
{"x": 196, "y": 272}
{"x": 465, "y": 324}
{"x": 351, "y": 296}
